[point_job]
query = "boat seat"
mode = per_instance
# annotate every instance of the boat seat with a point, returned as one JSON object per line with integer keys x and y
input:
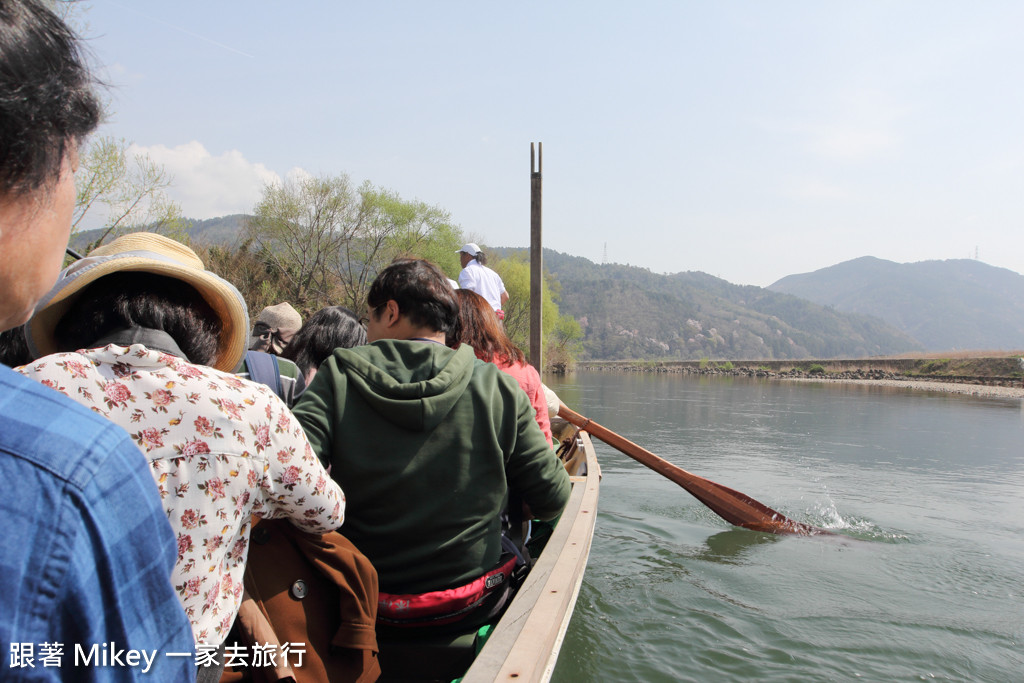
{"x": 432, "y": 658}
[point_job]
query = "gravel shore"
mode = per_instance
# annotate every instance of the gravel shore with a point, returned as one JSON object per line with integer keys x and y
{"x": 923, "y": 385}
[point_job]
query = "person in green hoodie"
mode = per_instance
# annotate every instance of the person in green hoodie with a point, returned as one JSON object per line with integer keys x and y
{"x": 427, "y": 441}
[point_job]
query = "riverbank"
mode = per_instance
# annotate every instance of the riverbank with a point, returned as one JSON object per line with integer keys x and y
{"x": 974, "y": 375}
{"x": 983, "y": 390}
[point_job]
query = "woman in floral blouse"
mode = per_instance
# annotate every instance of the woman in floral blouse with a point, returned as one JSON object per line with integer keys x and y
{"x": 159, "y": 336}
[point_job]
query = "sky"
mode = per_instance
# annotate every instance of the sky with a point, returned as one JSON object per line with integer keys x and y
{"x": 746, "y": 139}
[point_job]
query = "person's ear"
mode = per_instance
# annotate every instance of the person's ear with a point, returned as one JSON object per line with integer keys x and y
{"x": 391, "y": 313}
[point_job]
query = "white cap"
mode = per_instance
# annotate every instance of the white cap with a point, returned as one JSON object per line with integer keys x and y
{"x": 469, "y": 248}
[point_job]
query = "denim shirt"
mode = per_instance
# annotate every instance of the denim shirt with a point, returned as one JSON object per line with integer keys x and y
{"x": 86, "y": 551}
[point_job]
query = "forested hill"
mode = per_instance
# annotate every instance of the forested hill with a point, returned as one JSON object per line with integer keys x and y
{"x": 628, "y": 312}
{"x": 954, "y": 304}
{"x": 224, "y": 230}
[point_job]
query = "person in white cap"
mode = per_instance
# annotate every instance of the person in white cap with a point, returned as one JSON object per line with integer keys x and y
{"x": 477, "y": 277}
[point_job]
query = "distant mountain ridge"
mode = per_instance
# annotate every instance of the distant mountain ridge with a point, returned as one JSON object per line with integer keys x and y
{"x": 223, "y": 230}
{"x": 631, "y": 313}
{"x": 859, "y": 308}
{"x": 946, "y": 305}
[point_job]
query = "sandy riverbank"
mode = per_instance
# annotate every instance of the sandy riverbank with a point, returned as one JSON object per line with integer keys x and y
{"x": 923, "y": 385}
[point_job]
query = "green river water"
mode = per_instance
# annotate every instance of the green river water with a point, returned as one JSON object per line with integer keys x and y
{"x": 925, "y": 581}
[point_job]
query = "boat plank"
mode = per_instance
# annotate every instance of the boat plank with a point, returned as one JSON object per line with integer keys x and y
{"x": 525, "y": 644}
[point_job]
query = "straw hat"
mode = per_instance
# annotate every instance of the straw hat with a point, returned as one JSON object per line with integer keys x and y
{"x": 145, "y": 252}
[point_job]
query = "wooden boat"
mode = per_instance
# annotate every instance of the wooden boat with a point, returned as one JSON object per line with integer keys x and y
{"x": 524, "y": 644}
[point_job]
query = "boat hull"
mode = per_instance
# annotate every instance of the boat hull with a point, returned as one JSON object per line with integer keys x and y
{"x": 526, "y": 641}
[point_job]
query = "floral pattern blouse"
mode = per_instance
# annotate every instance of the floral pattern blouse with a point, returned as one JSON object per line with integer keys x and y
{"x": 222, "y": 449}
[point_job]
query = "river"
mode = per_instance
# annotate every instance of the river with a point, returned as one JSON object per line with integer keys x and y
{"x": 925, "y": 580}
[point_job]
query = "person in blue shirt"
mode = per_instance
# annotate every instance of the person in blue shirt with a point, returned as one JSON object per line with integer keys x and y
{"x": 86, "y": 551}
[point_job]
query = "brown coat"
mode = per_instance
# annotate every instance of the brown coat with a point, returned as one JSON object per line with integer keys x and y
{"x": 316, "y": 590}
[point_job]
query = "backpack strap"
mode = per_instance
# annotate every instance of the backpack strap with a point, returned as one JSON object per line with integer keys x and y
{"x": 263, "y": 368}
{"x": 515, "y": 531}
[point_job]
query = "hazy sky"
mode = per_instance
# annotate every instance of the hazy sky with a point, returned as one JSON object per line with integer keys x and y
{"x": 749, "y": 140}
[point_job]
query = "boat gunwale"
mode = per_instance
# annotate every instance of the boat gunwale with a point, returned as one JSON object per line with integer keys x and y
{"x": 525, "y": 643}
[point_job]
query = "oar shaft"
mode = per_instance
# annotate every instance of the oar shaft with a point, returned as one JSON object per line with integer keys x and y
{"x": 639, "y": 453}
{"x": 731, "y": 505}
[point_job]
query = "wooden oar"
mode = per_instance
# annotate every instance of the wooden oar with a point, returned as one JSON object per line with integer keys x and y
{"x": 732, "y": 506}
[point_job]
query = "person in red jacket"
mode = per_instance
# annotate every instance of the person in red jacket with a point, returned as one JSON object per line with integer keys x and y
{"x": 479, "y": 327}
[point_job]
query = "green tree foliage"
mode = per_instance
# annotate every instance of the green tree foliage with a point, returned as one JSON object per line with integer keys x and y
{"x": 321, "y": 242}
{"x": 127, "y": 190}
{"x": 325, "y": 241}
{"x": 387, "y": 227}
{"x": 561, "y": 333}
{"x": 300, "y": 228}
{"x": 563, "y": 343}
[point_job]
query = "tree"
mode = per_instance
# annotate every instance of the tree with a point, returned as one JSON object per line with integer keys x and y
{"x": 130, "y": 189}
{"x": 260, "y": 283}
{"x": 563, "y": 343}
{"x": 329, "y": 241}
{"x": 389, "y": 227}
{"x": 300, "y": 228}
{"x": 561, "y": 334}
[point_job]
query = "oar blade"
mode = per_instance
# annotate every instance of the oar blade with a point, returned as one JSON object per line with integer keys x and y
{"x": 742, "y": 510}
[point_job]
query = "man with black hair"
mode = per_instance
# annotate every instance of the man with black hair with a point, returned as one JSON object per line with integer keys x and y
{"x": 86, "y": 550}
{"x": 429, "y": 443}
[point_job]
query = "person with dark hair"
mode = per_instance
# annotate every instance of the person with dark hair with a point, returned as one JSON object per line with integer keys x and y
{"x": 131, "y": 307}
{"x": 334, "y": 327}
{"x": 477, "y": 277}
{"x": 47, "y": 107}
{"x": 13, "y": 347}
{"x": 86, "y": 551}
{"x": 479, "y": 327}
{"x": 430, "y": 443}
{"x": 157, "y": 337}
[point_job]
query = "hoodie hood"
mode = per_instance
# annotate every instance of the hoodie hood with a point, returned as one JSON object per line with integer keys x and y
{"x": 413, "y": 384}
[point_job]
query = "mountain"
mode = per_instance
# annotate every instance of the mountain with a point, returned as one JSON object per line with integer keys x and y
{"x": 631, "y": 313}
{"x": 864, "y": 307}
{"x": 224, "y": 230}
{"x": 953, "y": 304}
